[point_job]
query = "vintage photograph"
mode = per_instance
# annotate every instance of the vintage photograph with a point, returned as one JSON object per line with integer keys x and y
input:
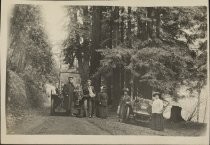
{"x": 107, "y": 70}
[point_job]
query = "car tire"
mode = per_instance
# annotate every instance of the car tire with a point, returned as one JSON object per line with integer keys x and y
{"x": 127, "y": 112}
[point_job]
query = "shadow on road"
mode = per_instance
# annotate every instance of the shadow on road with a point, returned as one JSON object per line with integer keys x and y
{"x": 59, "y": 114}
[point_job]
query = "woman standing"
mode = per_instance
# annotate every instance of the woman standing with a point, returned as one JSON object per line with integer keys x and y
{"x": 102, "y": 100}
{"x": 122, "y": 104}
{"x": 79, "y": 100}
{"x": 157, "y": 113}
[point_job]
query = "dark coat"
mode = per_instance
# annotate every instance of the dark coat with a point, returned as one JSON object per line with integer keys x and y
{"x": 122, "y": 104}
{"x": 102, "y": 100}
{"x": 68, "y": 92}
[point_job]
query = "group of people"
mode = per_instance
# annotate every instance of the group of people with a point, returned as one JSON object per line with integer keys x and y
{"x": 90, "y": 104}
{"x": 84, "y": 99}
{"x": 157, "y": 120}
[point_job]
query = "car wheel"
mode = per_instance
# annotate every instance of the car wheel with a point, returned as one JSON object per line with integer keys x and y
{"x": 127, "y": 114}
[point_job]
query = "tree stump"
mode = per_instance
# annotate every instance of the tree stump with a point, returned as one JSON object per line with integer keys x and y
{"x": 176, "y": 114}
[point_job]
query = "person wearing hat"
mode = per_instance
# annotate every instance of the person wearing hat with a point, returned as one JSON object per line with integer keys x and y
{"x": 157, "y": 122}
{"x": 102, "y": 100}
{"x": 68, "y": 92}
{"x": 124, "y": 98}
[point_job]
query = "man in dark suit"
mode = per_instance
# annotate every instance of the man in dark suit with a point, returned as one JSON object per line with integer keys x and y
{"x": 68, "y": 92}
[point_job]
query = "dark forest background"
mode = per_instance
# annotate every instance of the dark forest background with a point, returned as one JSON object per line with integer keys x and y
{"x": 141, "y": 48}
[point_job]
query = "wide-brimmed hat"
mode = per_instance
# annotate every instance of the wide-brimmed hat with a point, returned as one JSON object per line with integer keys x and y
{"x": 156, "y": 93}
{"x": 70, "y": 77}
{"x": 89, "y": 80}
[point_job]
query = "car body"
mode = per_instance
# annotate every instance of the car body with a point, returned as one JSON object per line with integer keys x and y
{"x": 139, "y": 109}
{"x": 57, "y": 103}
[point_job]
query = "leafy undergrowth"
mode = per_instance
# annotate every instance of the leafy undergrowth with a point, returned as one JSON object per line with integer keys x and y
{"x": 23, "y": 98}
{"x": 18, "y": 115}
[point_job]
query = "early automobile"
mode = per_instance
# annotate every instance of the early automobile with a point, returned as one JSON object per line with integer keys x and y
{"x": 57, "y": 102}
{"x": 57, "y": 99}
{"x": 138, "y": 109}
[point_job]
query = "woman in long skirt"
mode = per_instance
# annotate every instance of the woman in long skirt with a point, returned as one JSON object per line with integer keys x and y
{"x": 102, "y": 100}
{"x": 122, "y": 104}
{"x": 157, "y": 113}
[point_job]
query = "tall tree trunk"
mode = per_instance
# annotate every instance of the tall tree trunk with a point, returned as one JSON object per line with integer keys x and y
{"x": 122, "y": 26}
{"x": 116, "y": 85}
{"x": 111, "y": 23}
{"x": 149, "y": 23}
{"x": 143, "y": 28}
{"x": 127, "y": 74}
{"x": 116, "y": 26}
{"x": 83, "y": 67}
{"x": 198, "y": 106}
{"x": 83, "y": 60}
{"x": 139, "y": 26}
{"x": 96, "y": 38}
{"x": 129, "y": 28}
{"x": 116, "y": 71}
{"x": 157, "y": 22}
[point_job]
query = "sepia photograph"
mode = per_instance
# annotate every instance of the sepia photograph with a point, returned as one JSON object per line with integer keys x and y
{"x": 106, "y": 70}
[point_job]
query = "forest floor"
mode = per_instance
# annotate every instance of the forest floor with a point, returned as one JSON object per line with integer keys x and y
{"x": 40, "y": 122}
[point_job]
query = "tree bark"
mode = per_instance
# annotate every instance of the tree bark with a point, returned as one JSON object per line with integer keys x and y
{"x": 116, "y": 71}
{"x": 111, "y": 29}
{"x": 116, "y": 26}
{"x": 122, "y": 25}
{"x": 157, "y": 23}
{"x": 129, "y": 28}
{"x": 149, "y": 23}
{"x": 122, "y": 69}
{"x": 176, "y": 114}
{"x": 96, "y": 38}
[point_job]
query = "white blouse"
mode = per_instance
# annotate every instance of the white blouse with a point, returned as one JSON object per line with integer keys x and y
{"x": 157, "y": 106}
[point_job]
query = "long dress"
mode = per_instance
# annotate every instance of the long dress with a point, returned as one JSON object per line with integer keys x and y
{"x": 103, "y": 105}
{"x": 122, "y": 105}
{"x": 157, "y": 122}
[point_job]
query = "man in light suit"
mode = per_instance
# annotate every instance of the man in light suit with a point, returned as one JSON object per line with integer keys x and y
{"x": 89, "y": 93}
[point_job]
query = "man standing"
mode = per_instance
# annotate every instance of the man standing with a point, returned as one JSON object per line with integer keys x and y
{"x": 68, "y": 92}
{"x": 89, "y": 93}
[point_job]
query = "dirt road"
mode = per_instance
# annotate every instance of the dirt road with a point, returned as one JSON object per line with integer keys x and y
{"x": 43, "y": 123}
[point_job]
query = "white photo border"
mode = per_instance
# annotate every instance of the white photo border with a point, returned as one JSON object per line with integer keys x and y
{"x": 91, "y": 139}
